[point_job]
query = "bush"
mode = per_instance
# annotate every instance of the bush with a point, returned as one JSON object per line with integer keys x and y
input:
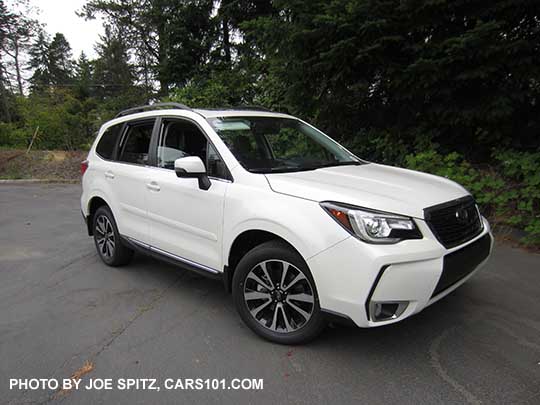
{"x": 219, "y": 89}
{"x": 13, "y": 137}
{"x": 508, "y": 192}
{"x": 522, "y": 169}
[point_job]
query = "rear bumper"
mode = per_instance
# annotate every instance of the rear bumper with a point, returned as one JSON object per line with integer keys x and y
{"x": 351, "y": 277}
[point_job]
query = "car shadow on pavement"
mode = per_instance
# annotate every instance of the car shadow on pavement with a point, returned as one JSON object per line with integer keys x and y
{"x": 425, "y": 325}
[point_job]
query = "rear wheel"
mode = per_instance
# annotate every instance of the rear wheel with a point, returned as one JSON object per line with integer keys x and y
{"x": 275, "y": 294}
{"x": 107, "y": 239}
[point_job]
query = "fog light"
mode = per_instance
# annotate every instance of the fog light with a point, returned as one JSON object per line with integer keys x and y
{"x": 386, "y": 310}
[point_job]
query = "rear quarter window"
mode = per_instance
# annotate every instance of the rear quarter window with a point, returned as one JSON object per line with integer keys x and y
{"x": 105, "y": 146}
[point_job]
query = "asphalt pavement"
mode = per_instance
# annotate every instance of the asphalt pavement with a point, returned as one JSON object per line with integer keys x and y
{"x": 62, "y": 308}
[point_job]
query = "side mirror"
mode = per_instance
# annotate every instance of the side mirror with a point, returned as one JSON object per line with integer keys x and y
{"x": 192, "y": 167}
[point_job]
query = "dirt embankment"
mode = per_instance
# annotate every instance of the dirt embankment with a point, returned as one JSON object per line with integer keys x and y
{"x": 41, "y": 164}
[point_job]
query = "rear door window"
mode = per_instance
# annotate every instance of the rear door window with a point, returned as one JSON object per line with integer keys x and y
{"x": 136, "y": 143}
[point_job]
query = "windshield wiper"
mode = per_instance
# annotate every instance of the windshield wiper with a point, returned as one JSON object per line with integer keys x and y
{"x": 288, "y": 169}
{"x": 350, "y": 163}
{"x": 280, "y": 169}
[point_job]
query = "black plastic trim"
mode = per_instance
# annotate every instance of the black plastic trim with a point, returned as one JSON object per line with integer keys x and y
{"x": 118, "y": 140}
{"x": 186, "y": 266}
{"x": 446, "y": 204}
{"x": 152, "y": 148}
{"x": 462, "y": 262}
{"x": 337, "y": 318}
{"x": 151, "y": 107}
{"x": 251, "y": 108}
{"x": 87, "y": 223}
{"x": 373, "y": 287}
{"x": 456, "y": 202}
{"x": 227, "y": 279}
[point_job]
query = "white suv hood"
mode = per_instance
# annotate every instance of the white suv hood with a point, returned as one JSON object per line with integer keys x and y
{"x": 374, "y": 186}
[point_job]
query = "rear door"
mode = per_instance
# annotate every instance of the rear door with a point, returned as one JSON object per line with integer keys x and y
{"x": 129, "y": 175}
{"x": 185, "y": 221}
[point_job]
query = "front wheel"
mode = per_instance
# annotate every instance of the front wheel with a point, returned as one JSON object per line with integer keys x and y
{"x": 275, "y": 294}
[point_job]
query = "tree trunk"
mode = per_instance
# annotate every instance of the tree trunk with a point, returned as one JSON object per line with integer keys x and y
{"x": 163, "y": 62}
{"x": 18, "y": 66}
{"x": 226, "y": 39}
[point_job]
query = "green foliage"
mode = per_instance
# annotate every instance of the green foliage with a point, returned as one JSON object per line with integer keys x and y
{"x": 523, "y": 172}
{"x": 68, "y": 100}
{"x": 434, "y": 85}
{"x": 220, "y": 88}
{"x": 59, "y": 60}
{"x": 458, "y": 71}
{"x": 112, "y": 73}
{"x": 508, "y": 191}
{"x": 39, "y": 63}
{"x": 11, "y": 136}
{"x": 60, "y": 118}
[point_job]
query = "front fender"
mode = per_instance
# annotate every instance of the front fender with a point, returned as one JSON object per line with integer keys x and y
{"x": 302, "y": 223}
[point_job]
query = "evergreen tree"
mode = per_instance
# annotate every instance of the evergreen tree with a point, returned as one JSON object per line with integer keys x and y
{"x": 60, "y": 61}
{"x": 83, "y": 77}
{"x": 231, "y": 14}
{"x": 170, "y": 39}
{"x": 188, "y": 36}
{"x": 113, "y": 73}
{"x": 398, "y": 75}
{"x": 41, "y": 77}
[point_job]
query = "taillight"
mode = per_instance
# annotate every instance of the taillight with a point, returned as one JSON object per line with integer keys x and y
{"x": 84, "y": 166}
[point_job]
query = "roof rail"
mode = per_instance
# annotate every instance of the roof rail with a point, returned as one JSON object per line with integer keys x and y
{"x": 151, "y": 107}
{"x": 251, "y": 107}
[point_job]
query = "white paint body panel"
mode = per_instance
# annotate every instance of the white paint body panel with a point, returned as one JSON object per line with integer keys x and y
{"x": 175, "y": 216}
{"x": 384, "y": 188}
{"x": 185, "y": 220}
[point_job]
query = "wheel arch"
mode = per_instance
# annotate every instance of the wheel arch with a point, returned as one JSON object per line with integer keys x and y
{"x": 93, "y": 204}
{"x": 243, "y": 243}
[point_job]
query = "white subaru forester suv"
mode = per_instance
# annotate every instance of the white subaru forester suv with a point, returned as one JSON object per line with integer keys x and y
{"x": 297, "y": 228}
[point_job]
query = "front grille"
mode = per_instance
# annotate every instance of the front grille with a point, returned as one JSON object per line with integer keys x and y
{"x": 454, "y": 222}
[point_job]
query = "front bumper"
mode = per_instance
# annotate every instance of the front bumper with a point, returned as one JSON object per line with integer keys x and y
{"x": 351, "y": 276}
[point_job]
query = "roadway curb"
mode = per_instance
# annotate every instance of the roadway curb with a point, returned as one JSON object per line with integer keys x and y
{"x": 38, "y": 181}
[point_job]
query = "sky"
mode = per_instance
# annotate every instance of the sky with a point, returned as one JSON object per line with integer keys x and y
{"x": 59, "y": 16}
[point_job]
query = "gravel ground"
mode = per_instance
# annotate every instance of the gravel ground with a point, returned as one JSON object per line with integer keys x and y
{"x": 41, "y": 164}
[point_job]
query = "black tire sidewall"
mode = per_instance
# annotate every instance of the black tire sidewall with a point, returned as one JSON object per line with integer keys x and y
{"x": 105, "y": 211}
{"x": 277, "y": 251}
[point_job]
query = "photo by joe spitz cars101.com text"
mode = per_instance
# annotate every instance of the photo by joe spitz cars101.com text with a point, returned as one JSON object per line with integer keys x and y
{"x": 297, "y": 228}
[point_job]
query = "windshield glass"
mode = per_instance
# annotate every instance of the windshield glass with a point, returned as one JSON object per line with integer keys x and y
{"x": 278, "y": 145}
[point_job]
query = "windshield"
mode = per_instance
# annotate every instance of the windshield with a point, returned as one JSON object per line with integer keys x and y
{"x": 279, "y": 145}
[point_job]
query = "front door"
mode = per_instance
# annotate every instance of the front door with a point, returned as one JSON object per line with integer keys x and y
{"x": 186, "y": 221}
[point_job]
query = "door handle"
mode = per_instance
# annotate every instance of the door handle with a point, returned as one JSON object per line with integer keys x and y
{"x": 109, "y": 175}
{"x": 153, "y": 186}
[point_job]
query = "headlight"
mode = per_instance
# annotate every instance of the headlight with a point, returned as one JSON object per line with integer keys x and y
{"x": 373, "y": 226}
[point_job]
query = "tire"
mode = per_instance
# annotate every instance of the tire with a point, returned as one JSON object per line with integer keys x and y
{"x": 282, "y": 312}
{"x": 107, "y": 239}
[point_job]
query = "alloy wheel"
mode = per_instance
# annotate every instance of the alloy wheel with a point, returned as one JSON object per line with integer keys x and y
{"x": 105, "y": 236}
{"x": 279, "y": 296}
